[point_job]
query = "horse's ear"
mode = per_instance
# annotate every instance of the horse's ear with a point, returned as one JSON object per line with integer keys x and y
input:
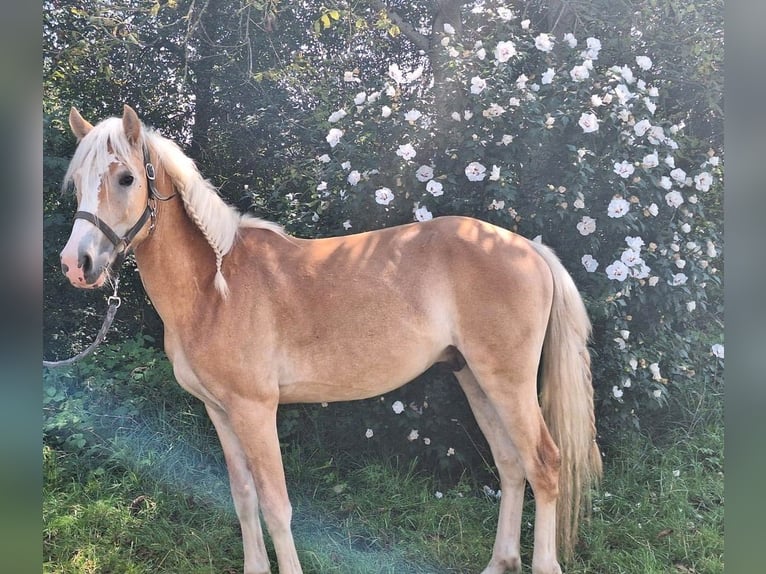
{"x": 80, "y": 126}
{"x": 131, "y": 124}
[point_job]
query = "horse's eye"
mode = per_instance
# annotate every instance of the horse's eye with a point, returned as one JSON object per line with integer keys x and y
{"x": 126, "y": 180}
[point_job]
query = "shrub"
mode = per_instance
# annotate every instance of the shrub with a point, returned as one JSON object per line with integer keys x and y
{"x": 561, "y": 146}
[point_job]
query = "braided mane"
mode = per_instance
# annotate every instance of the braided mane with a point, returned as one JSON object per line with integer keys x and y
{"x": 218, "y": 221}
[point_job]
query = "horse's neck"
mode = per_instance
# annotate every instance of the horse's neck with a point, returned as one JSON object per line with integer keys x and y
{"x": 176, "y": 263}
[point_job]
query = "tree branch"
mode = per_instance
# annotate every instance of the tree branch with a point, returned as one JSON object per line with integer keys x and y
{"x": 421, "y": 41}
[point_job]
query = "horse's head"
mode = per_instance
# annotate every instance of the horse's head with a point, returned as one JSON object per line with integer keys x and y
{"x": 111, "y": 172}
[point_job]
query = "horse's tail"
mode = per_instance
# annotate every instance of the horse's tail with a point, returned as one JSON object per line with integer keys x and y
{"x": 566, "y": 399}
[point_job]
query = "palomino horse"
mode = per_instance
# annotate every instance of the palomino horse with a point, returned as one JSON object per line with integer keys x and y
{"x": 254, "y": 318}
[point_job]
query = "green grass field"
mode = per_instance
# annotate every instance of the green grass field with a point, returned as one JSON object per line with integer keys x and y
{"x": 149, "y": 494}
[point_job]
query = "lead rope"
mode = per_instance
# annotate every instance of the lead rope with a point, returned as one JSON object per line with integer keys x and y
{"x": 114, "y": 303}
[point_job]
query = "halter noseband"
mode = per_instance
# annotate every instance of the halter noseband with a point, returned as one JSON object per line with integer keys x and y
{"x": 122, "y": 244}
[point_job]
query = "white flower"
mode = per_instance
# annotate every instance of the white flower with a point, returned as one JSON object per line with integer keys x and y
{"x": 570, "y": 40}
{"x": 504, "y": 51}
{"x": 496, "y": 205}
{"x": 579, "y": 203}
{"x": 674, "y": 198}
{"x": 589, "y": 263}
{"x": 427, "y": 441}
{"x": 495, "y": 175}
{"x": 337, "y": 116}
{"x": 624, "y": 169}
{"x": 717, "y": 350}
{"x": 691, "y": 306}
{"x": 478, "y": 84}
{"x": 623, "y": 93}
{"x": 435, "y": 188}
{"x": 654, "y": 368}
{"x": 665, "y": 182}
{"x": 641, "y": 270}
{"x": 424, "y": 173}
{"x": 686, "y": 228}
{"x": 369, "y": 433}
{"x": 450, "y": 451}
{"x": 354, "y": 177}
{"x": 385, "y": 111}
{"x": 322, "y": 186}
{"x": 493, "y": 111}
{"x": 678, "y": 279}
{"x": 397, "y": 407}
{"x": 474, "y": 171}
{"x": 455, "y": 116}
{"x": 656, "y": 135}
{"x": 676, "y": 473}
{"x": 631, "y": 257}
{"x": 547, "y": 76}
{"x": 617, "y": 207}
{"x": 506, "y": 139}
{"x": 422, "y": 214}
{"x": 644, "y": 62}
{"x": 711, "y": 250}
{"x": 633, "y": 363}
{"x": 521, "y": 81}
{"x": 346, "y": 165}
{"x": 514, "y": 102}
{"x": 449, "y": 28}
{"x": 384, "y": 196}
{"x": 544, "y": 43}
{"x": 360, "y": 98}
{"x": 650, "y": 160}
{"x": 412, "y": 116}
{"x": 579, "y": 73}
{"x": 596, "y": 101}
{"x": 347, "y": 224}
{"x": 395, "y": 73}
{"x": 350, "y": 77}
{"x": 617, "y": 271}
{"x": 586, "y": 226}
{"x": 679, "y": 175}
{"x": 635, "y": 243}
{"x": 481, "y": 53}
{"x": 525, "y": 24}
{"x": 703, "y": 181}
{"x": 324, "y": 158}
{"x": 504, "y": 13}
{"x": 616, "y": 392}
{"x": 593, "y": 48}
{"x": 438, "y": 494}
{"x": 642, "y": 127}
{"x": 333, "y": 136}
{"x": 657, "y": 393}
{"x": 406, "y": 151}
{"x": 588, "y": 122}
{"x": 653, "y": 209}
{"x": 414, "y": 435}
{"x": 467, "y": 115}
{"x": 627, "y": 74}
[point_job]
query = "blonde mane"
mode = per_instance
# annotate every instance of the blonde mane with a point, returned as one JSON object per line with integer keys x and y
{"x": 218, "y": 221}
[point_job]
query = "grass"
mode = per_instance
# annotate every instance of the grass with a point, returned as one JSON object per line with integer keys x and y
{"x": 150, "y": 495}
{"x": 378, "y": 517}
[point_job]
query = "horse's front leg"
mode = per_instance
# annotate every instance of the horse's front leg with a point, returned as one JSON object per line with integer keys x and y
{"x": 243, "y": 492}
{"x": 255, "y": 424}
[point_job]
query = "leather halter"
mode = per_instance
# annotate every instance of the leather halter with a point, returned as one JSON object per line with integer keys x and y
{"x": 123, "y": 244}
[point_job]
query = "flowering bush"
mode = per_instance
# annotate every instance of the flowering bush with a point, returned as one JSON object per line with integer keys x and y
{"x": 539, "y": 135}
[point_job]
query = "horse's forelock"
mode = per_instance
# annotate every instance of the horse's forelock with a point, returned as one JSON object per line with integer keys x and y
{"x": 104, "y": 144}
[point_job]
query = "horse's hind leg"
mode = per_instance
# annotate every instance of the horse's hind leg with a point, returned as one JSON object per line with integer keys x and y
{"x": 505, "y": 553}
{"x": 244, "y": 494}
{"x": 512, "y": 395}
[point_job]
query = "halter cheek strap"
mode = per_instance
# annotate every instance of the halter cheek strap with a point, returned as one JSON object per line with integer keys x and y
{"x": 122, "y": 244}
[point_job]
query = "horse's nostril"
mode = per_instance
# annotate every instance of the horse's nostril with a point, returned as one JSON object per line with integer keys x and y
{"x": 86, "y": 264}
{"x": 64, "y": 268}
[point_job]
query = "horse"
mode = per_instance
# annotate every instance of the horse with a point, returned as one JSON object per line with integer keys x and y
{"x": 254, "y": 318}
